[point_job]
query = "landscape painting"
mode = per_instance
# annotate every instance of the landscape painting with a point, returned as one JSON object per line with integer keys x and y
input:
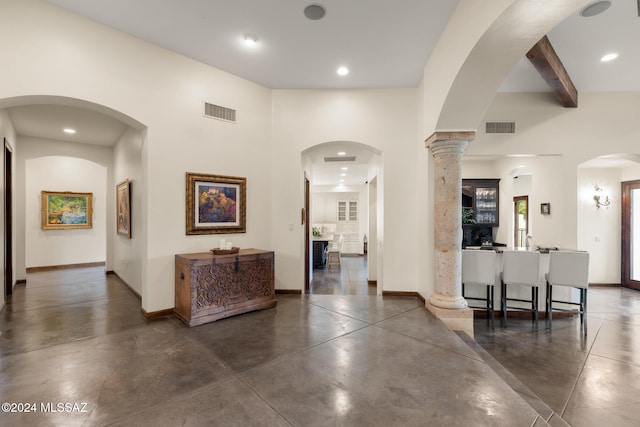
{"x": 65, "y": 210}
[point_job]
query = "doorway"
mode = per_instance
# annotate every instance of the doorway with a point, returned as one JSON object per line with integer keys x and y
{"x": 630, "y": 276}
{"x": 307, "y": 231}
{"x": 8, "y": 221}
{"x": 520, "y": 221}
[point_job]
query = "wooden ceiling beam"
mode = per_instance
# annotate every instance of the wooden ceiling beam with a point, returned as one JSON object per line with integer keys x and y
{"x": 548, "y": 64}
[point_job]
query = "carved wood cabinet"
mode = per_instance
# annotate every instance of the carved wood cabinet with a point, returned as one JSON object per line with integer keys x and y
{"x": 210, "y": 287}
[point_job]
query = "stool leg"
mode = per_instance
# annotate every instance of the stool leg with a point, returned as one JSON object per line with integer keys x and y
{"x": 491, "y": 306}
{"x": 583, "y": 316}
{"x": 550, "y": 298}
{"x": 503, "y": 306}
{"x": 534, "y": 297}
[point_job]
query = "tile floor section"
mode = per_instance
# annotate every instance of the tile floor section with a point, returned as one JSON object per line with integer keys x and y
{"x": 344, "y": 358}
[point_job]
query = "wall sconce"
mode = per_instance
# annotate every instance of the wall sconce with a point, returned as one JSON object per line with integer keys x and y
{"x": 599, "y": 196}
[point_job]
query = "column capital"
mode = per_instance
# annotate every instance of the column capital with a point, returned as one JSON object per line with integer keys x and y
{"x": 451, "y": 136}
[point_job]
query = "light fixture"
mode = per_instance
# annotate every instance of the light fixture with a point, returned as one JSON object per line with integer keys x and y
{"x": 250, "y": 39}
{"x": 598, "y": 198}
{"x": 342, "y": 71}
{"x": 341, "y": 153}
{"x": 343, "y": 174}
{"x": 595, "y": 9}
{"x": 344, "y": 169}
{"x": 609, "y": 57}
{"x": 69, "y": 130}
{"x": 314, "y": 12}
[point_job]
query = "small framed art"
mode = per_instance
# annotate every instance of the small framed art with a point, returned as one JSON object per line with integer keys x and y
{"x": 545, "y": 208}
{"x": 123, "y": 206}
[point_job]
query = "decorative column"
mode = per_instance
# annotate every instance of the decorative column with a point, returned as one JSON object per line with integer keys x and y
{"x": 447, "y": 302}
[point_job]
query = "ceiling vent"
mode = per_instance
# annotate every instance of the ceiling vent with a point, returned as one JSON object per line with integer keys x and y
{"x": 340, "y": 159}
{"x": 500, "y": 127}
{"x": 218, "y": 112}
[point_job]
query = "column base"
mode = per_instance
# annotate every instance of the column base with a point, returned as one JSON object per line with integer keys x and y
{"x": 448, "y": 302}
{"x": 460, "y": 319}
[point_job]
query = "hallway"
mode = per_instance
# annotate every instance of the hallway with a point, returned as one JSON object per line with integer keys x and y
{"x": 77, "y": 336}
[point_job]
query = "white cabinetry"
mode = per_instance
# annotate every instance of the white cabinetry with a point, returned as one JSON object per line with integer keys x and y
{"x": 348, "y": 226}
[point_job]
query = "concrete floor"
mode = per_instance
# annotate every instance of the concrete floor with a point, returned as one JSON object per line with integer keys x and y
{"x": 348, "y": 359}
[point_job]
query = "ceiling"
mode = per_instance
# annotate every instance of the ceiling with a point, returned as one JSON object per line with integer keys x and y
{"x": 382, "y": 44}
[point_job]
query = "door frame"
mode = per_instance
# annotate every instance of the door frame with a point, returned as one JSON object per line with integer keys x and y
{"x": 8, "y": 219}
{"x": 307, "y": 233}
{"x": 517, "y": 199}
{"x": 626, "y": 228}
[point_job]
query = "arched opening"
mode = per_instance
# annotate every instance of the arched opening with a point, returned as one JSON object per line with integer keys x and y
{"x": 105, "y": 150}
{"x": 600, "y": 210}
{"x": 344, "y": 202}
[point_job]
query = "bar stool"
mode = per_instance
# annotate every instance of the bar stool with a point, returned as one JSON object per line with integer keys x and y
{"x": 334, "y": 250}
{"x": 568, "y": 269}
{"x": 479, "y": 269}
{"x": 520, "y": 268}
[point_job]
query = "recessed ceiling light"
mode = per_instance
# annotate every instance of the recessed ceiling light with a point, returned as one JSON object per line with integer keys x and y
{"x": 341, "y": 153}
{"x": 342, "y": 180}
{"x": 314, "y": 12}
{"x": 343, "y": 174}
{"x": 595, "y": 9}
{"x": 344, "y": 169}
{"x": 69, "y": 130}
{"x": 342, "y": 71}
{"x": 609, "y": 57}
{"x": 250, "y": 39}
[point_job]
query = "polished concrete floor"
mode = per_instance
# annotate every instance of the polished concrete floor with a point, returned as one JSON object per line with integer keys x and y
{"x": 345, "y": 359}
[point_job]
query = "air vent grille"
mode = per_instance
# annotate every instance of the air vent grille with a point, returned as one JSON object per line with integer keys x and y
{"x": 340, "y": 159}
{"x": 500, "y": 127}
{"x": 218, "y": 112}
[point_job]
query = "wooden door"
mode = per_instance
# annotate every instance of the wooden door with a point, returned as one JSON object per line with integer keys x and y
{"x": 630, "y": 276}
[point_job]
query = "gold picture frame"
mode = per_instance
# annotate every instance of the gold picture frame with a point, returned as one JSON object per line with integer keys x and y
{"x": 123, "y": 209}
{"x": 216, "y": 204}
{"x": 62, "y": 210}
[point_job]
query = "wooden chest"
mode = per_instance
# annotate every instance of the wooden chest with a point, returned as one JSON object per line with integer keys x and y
{"x": 210, "y": 287}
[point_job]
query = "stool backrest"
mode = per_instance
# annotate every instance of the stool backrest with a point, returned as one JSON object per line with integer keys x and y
{"x": 521, "y": 267}
{"x": 478, "y": 267}
{"x": 569, "y": 269}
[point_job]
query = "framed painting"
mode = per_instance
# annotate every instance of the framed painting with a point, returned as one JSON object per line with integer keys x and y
{"x": 123, "y": 205}
{"x": 216, "y": 204}
{"x": 64, "y": 210}
{"x": 545, "y": 208}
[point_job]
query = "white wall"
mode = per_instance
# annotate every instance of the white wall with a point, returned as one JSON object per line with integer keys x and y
{"x": 43, "y": 176}
{"x": 599, "y": 230}
{"x": 128, "y": 254}
{"x": 62, "y": 247}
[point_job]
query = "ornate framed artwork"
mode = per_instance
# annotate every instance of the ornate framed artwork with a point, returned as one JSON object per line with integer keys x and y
{"x": 65, "y": 210}
{"x": 123, "y": 205}
{"x": 216, "y": 204}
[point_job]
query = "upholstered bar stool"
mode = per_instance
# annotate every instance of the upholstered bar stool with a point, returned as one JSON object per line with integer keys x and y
{"x": 334, "y": 250}
{"x": 479, "y": 269}
{"x": 520, "y": 269}
{"x": 568, "y": 269}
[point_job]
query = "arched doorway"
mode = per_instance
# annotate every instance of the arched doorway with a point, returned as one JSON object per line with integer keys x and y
{"x": 343, "y": 199}
{"x": 104, "y": 137}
